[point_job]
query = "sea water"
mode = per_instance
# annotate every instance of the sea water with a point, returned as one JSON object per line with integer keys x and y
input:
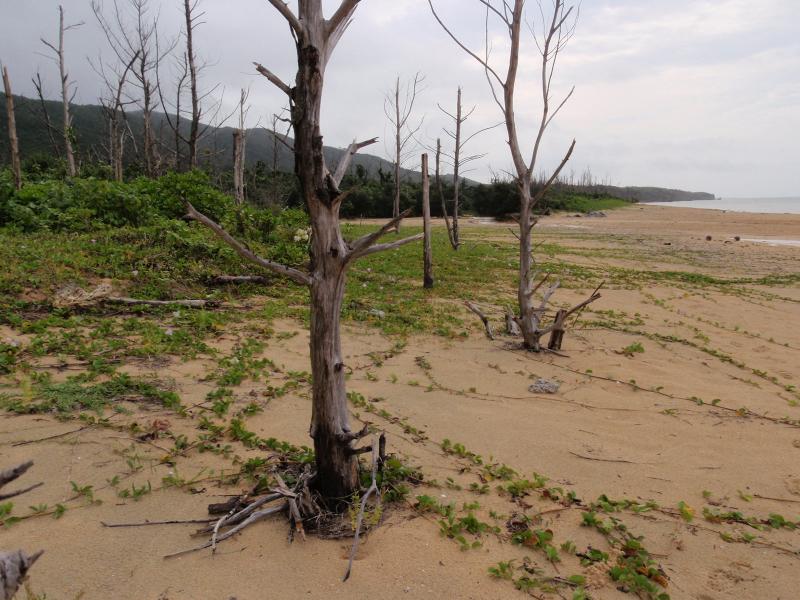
{"x": 751, "y": 205}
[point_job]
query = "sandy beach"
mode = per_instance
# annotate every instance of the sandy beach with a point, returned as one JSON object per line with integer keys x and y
{"x": 701, "y": 414}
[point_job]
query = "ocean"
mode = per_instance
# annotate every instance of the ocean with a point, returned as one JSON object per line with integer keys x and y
{"x": 789, "y": 205}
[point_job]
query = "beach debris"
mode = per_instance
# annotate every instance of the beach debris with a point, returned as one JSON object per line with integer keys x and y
{"x": 377, "y": 313}
{"x": 74, "y": 296}
{"x": 708, "y": 238}
{"x": 14, "y": 566}
{"x": 596, "y": 213}
{"x": 488, "y": 326}
{"x": 544, "y": 386}
{"x": 737, "y": 238}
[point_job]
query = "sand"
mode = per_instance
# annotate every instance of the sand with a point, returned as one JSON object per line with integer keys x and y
{"x": 669, "y": 437}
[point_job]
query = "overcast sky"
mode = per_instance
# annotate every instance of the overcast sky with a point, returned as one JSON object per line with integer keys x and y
{"x": 691, "y": 94}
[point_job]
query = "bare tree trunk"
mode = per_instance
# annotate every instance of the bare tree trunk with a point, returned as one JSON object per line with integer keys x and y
{"x": 194, "y": 131}
{"x": 398, "y": 150}
{"x": 426, "y": 225}
{"x": 441, "y": 192}
{"x": 556, "y": 34}
{"x": 239, "y": 139}
{"x": 65, "y": 97}
{"x": 456, "y": 165}
{"x": 316, "y": 37}
{"x": 12, "y": 131}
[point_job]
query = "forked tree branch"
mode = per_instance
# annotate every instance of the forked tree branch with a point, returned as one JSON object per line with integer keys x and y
{"x": 344, "y": 163}
{"x": 293, "y": 274}
{"x": 390, "y": 246}
{"x": 358, "y": 246}
{"x": 341, "y": 18}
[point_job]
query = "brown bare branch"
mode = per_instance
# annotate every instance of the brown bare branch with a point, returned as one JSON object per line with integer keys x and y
{"x": 244, "y": 252}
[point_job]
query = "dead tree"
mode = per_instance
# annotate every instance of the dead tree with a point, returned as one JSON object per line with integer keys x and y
{"x": 316, "y": 37}
{"x": 52, "y": 132}
{"x": 12, "y": 131}
{"x": 458, "y": 160}
{"x": 66, "y": 98}
{"x": 133, "y": 37}
{"x": 556, "y": 32}
{"x": 239, "y": 138}
{"x": 14, "y": 566}
{"x": 398, "y": 107}
{"x": 427, "y": 257}
{"x": 114, "y": 110}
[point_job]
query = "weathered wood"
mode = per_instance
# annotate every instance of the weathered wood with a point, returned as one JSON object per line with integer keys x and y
{"x": 12, "y": 131}
{"x": 185, "y": 303}
{"x": 556, "y": 32}
{"x": 426, "y": 226}
{"x": 557, "y": 334}
{"x": 194, "y": 127}
{"x": 511, "y": 323}
{"x": 486, "y": 324}
{"x": 67, "y": 130}
{"x": 14, "y": 567}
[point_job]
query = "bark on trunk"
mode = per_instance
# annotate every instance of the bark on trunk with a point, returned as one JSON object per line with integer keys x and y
{"x": 398, "y": 152}
{"x": 337, "y": 466}
{"x": 67, "y": 117}
{"x": 12, "y": 131}
{"x": 426, "y": 225}
{"x": 529, "y": 318}
{"x": 194, "y": 130}
{"x": 456, "y": 180}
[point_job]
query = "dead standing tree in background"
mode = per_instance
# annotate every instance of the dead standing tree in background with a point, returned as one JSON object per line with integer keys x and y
{"x": 133, "y": 38}
{"x": 66, "y": 98}
{"x": 316, "y": 37}
{"x": 13, "y": 141}
{"x": 398, "y": 107}
{"x": 458, "y": 160}
{"x": 556, "y": 32}
{"x": 114, "y": 109}
{"x": 427, "y": 253}
{"x": 239, "y": 144}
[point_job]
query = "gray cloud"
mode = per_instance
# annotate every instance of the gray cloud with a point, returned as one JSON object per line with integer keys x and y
{"x": 695, "y": 94}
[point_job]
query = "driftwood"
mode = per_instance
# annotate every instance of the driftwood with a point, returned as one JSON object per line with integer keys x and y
{"x": 297, "y": 501}
{"x": 10, "y": 475}
{"x": 73, "y": 295}
{"x": 185, "y": 303}
{"x": 483, "y": 317}
{"x": 14, "y": 566}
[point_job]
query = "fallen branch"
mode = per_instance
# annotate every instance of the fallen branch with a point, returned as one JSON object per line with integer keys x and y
{"x": 373, "y": 489}
{"x": 483, "y": 317}
{"x": 186, "y": 303}
{"x": 149, "y": 523}
{"x": 14, "y": 567}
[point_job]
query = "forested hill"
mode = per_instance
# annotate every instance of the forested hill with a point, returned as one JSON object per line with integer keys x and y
{"x": 216, "y": 145}
{"x": 652, "y": 194}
